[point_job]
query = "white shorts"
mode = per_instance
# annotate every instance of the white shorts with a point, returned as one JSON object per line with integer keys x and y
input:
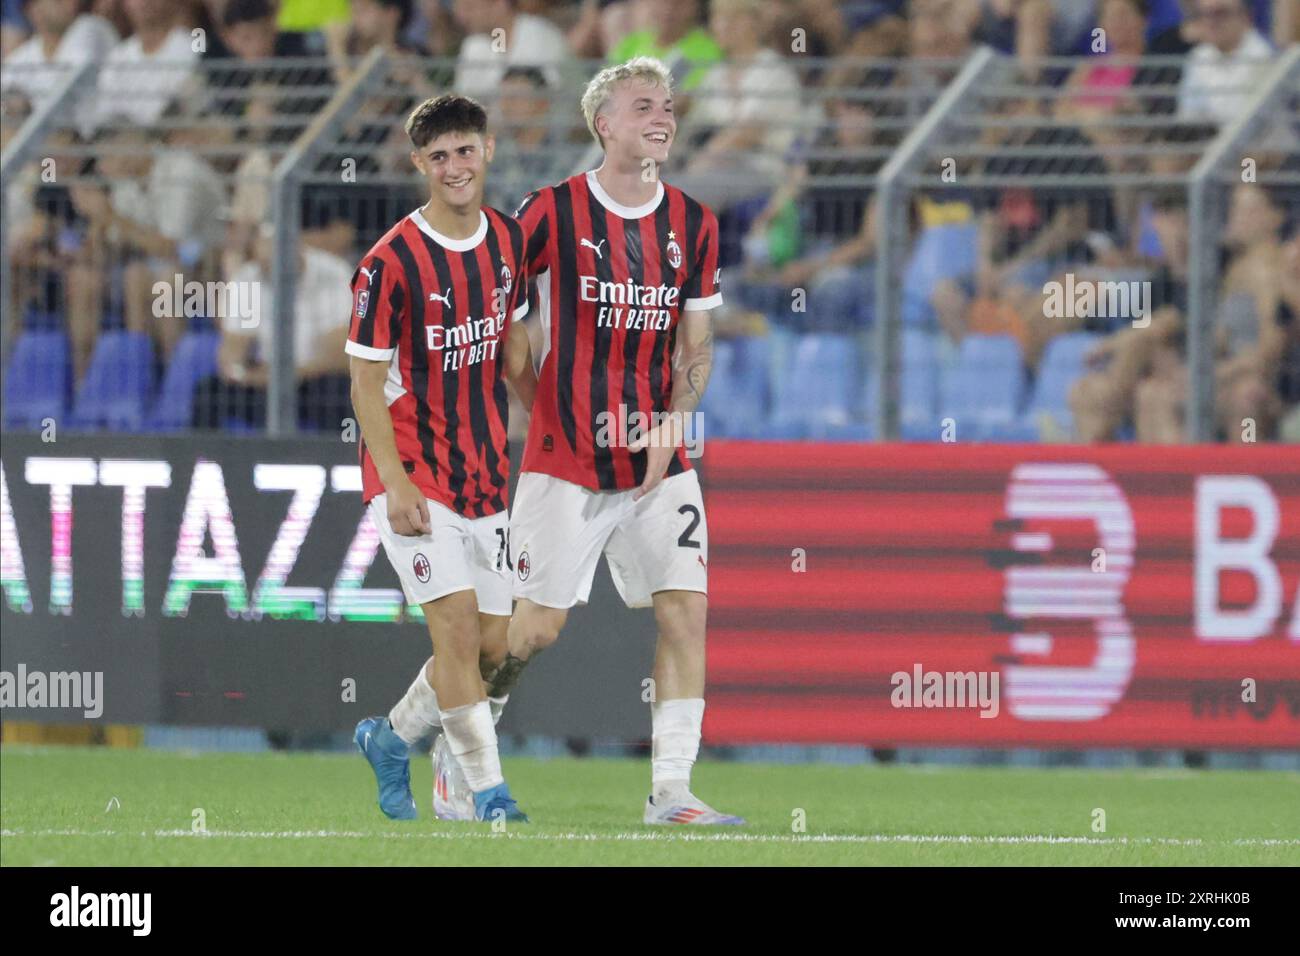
{"x": 558, "y": 531}
{"x": 460, "y": 554}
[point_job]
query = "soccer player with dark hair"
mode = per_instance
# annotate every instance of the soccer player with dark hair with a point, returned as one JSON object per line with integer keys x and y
{"x": 626, "y": 271}
{"x": 434, "y": 338}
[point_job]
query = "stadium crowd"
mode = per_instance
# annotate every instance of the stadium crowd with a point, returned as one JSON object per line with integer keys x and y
{"x": 788, "y": 111}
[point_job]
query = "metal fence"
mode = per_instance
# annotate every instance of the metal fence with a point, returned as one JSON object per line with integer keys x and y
{"x": 1050, "y": 243}
{"x": 910, "y": 246}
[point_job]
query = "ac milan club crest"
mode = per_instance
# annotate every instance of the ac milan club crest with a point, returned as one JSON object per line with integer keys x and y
{"x": 523, "y": 565}
{"x": 420, "y": 565}
{"x": 506, "y": 278}
{"x": 674, "y": 254}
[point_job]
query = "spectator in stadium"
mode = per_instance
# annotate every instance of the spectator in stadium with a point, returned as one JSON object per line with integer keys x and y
{"x": 832, "y": 261}
{"x": 1022, "y": 27}
{"x": 372, "y": 23}
{"x": 1286, "y": 23}
{"x": 525, "y": 40}
{"x": 159, "y": 218}
{"x": 50, "y": 254}
{"x": 531, "y": 150}
{"x": 1103, "y": 399}
{"x": 670, "y": 30}
{"x": 14, "y": 28}
{"x": 1289, "y": 320}
{"x": 1141, "y": 373}
{"x": 201, "y": 19}
{"x": 1223, "y": 69}
{"x": 600, "y": 26}
{"x": 257, "y": 90}
{"x": 746, "y": 111}
{"x": 940, "y": 34}
{"x": 63, "y": 35}
{"x": 433, "y": 28}
{"x": 249, "y": 31}
{"x": 322, "y": 310}
{"x": 147, "y": 70}
{"x": 1102, "y": 85}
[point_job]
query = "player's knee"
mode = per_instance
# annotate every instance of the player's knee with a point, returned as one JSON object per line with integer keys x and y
{"x": 534, "y": 629}
{"x": 681, "y": 615}
{"x": 494, "y": 645}
{"x": 453, "y": 624}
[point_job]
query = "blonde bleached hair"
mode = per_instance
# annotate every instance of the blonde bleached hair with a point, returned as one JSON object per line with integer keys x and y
{"x": 602, "y": 85}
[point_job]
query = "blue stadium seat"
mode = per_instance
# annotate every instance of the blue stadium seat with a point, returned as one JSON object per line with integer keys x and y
{"x": 816, "y": 390}
{"x": 918, "y": 387}
{"x": 1061, "y": 367}
{"x": 194, "y": 359}
{"x": 36, "y": 384}
{"x": 719, "y": 397}
{"x": 751, "y": 393}
{"x": 983, "y": 394}
{"x": 941, "y": 252}
{"x": 116, "y": 391}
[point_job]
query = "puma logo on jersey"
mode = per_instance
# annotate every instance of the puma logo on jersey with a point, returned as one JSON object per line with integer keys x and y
{"x": 444, "y": 299}
{"x": 595, "y": 248}
{"x": 367, "y": 273}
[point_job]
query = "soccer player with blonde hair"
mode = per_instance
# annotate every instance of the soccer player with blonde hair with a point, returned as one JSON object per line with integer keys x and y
{"x": 626, "y": 273}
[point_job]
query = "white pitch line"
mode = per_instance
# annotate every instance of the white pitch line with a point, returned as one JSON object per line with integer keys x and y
{"x": 673, "y": 837}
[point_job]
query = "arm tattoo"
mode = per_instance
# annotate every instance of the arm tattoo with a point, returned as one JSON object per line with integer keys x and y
{"x": 506, "y": 676}
{"x": 695, "y": 376}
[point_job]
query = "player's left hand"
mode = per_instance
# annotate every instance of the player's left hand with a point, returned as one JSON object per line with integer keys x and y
{"x": 659, "y": 444}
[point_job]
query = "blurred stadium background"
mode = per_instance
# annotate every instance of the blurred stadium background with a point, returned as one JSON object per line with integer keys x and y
{"x": 902, "y": 430}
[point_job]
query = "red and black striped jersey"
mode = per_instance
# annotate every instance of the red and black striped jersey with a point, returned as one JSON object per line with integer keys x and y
{"x": 438, "y": 310}
{"x": 611, "y": 283}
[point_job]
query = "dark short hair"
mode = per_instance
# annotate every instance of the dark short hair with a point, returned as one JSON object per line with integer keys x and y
{"x": 403, "y": 7}
{"x": 1169, "y": 199}
{"x": 246, "y": 11}
{"x": 535, "y": 77}
{"x": 449, "y": 113}
{"x": 1143, "y": 7}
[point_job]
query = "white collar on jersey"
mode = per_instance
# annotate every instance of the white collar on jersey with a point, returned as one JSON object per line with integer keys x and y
{"x": 618, "y": 209}
{"x": 453, "y": 245}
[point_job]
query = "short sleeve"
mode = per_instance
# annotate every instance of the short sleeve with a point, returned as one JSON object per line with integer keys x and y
{"x": 703, "y": 288}
{"x": 532, "y": 215}
{"x": 379, "y": 308}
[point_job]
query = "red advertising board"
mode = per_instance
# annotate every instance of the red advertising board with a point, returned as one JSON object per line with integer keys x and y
{"x": 950, "y": 595}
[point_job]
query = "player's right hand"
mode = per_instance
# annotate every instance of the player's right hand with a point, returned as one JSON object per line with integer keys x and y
{"x": 408, "y": 512}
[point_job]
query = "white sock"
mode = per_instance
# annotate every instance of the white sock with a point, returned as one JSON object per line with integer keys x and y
{"x": 497, "y": 704}
{"x": 473, "y": 741}
{"x": 676, "y": 741}
{"x": 416, "y": 715}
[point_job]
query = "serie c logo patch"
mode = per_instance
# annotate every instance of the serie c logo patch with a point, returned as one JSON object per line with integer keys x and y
{"x": 523, "y": 565}
{"x": 420, "y": 565}
{"x": 363, "y": 302}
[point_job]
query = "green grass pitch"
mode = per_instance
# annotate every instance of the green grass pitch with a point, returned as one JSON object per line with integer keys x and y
{"x": 57, "y": 807}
